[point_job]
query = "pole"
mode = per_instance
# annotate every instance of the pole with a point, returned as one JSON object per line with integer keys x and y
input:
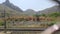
{"x": 4, "y": 22}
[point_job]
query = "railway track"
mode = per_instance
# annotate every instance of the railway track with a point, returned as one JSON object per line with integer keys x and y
{"x": 23, "y": 29}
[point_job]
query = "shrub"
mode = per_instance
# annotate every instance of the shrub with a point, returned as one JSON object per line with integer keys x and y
{"x": 1, "y": 23}
{"x": 43, "y": 15}
{"x": 52, "y": 23}
{"x": 56, "y": 14}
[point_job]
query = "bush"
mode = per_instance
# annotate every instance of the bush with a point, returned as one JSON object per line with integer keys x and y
{"x": 56, "y": 14}
{"x": 52, "y": 23}
{"x": 37, "y": 15}
{"x": 1, "y": 23}
{"x": 43, "y": 15}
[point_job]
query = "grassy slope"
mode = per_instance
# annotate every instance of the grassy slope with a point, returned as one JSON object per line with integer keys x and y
{"x": 9, "y": 10}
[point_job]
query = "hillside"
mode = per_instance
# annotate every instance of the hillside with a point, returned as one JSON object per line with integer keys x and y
{"x": 11, "y": 9}
{"x": 8, "y": 10}
{"x": 49, "y": 10}
{"x": 29, "y": 12}
{"x": 12, "y": 6}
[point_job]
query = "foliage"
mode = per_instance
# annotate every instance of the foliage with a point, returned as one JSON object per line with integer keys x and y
{"x": 56, "y": 14}
{"x": 52, "y": 23}
{"x": 43, "y": 15}
{"x": 36, "y": 15}
{"x": 1, "y": 23}
{"x": 40, "y": 15}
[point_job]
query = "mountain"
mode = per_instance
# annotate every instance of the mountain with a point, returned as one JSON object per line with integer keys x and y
{"x": 12, "y": 6}
{"x": 9, "y": 11}
{"x": 49, "y": 10}
{"x": 30, "y": 12}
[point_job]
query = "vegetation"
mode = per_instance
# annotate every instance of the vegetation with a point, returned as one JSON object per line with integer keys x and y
{"x": 43, "y": 15}
{"x": 1, "y": 23}
{"x": 55, "y": 14}
{"x": 37, "y": 15}
{"x": 52, "y": 23}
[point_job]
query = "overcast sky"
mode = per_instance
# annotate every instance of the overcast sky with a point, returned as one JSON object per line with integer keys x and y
{"x": 31, "y": 4}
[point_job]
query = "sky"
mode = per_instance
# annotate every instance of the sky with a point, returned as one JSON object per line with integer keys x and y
{"x": 36, "y": 5}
